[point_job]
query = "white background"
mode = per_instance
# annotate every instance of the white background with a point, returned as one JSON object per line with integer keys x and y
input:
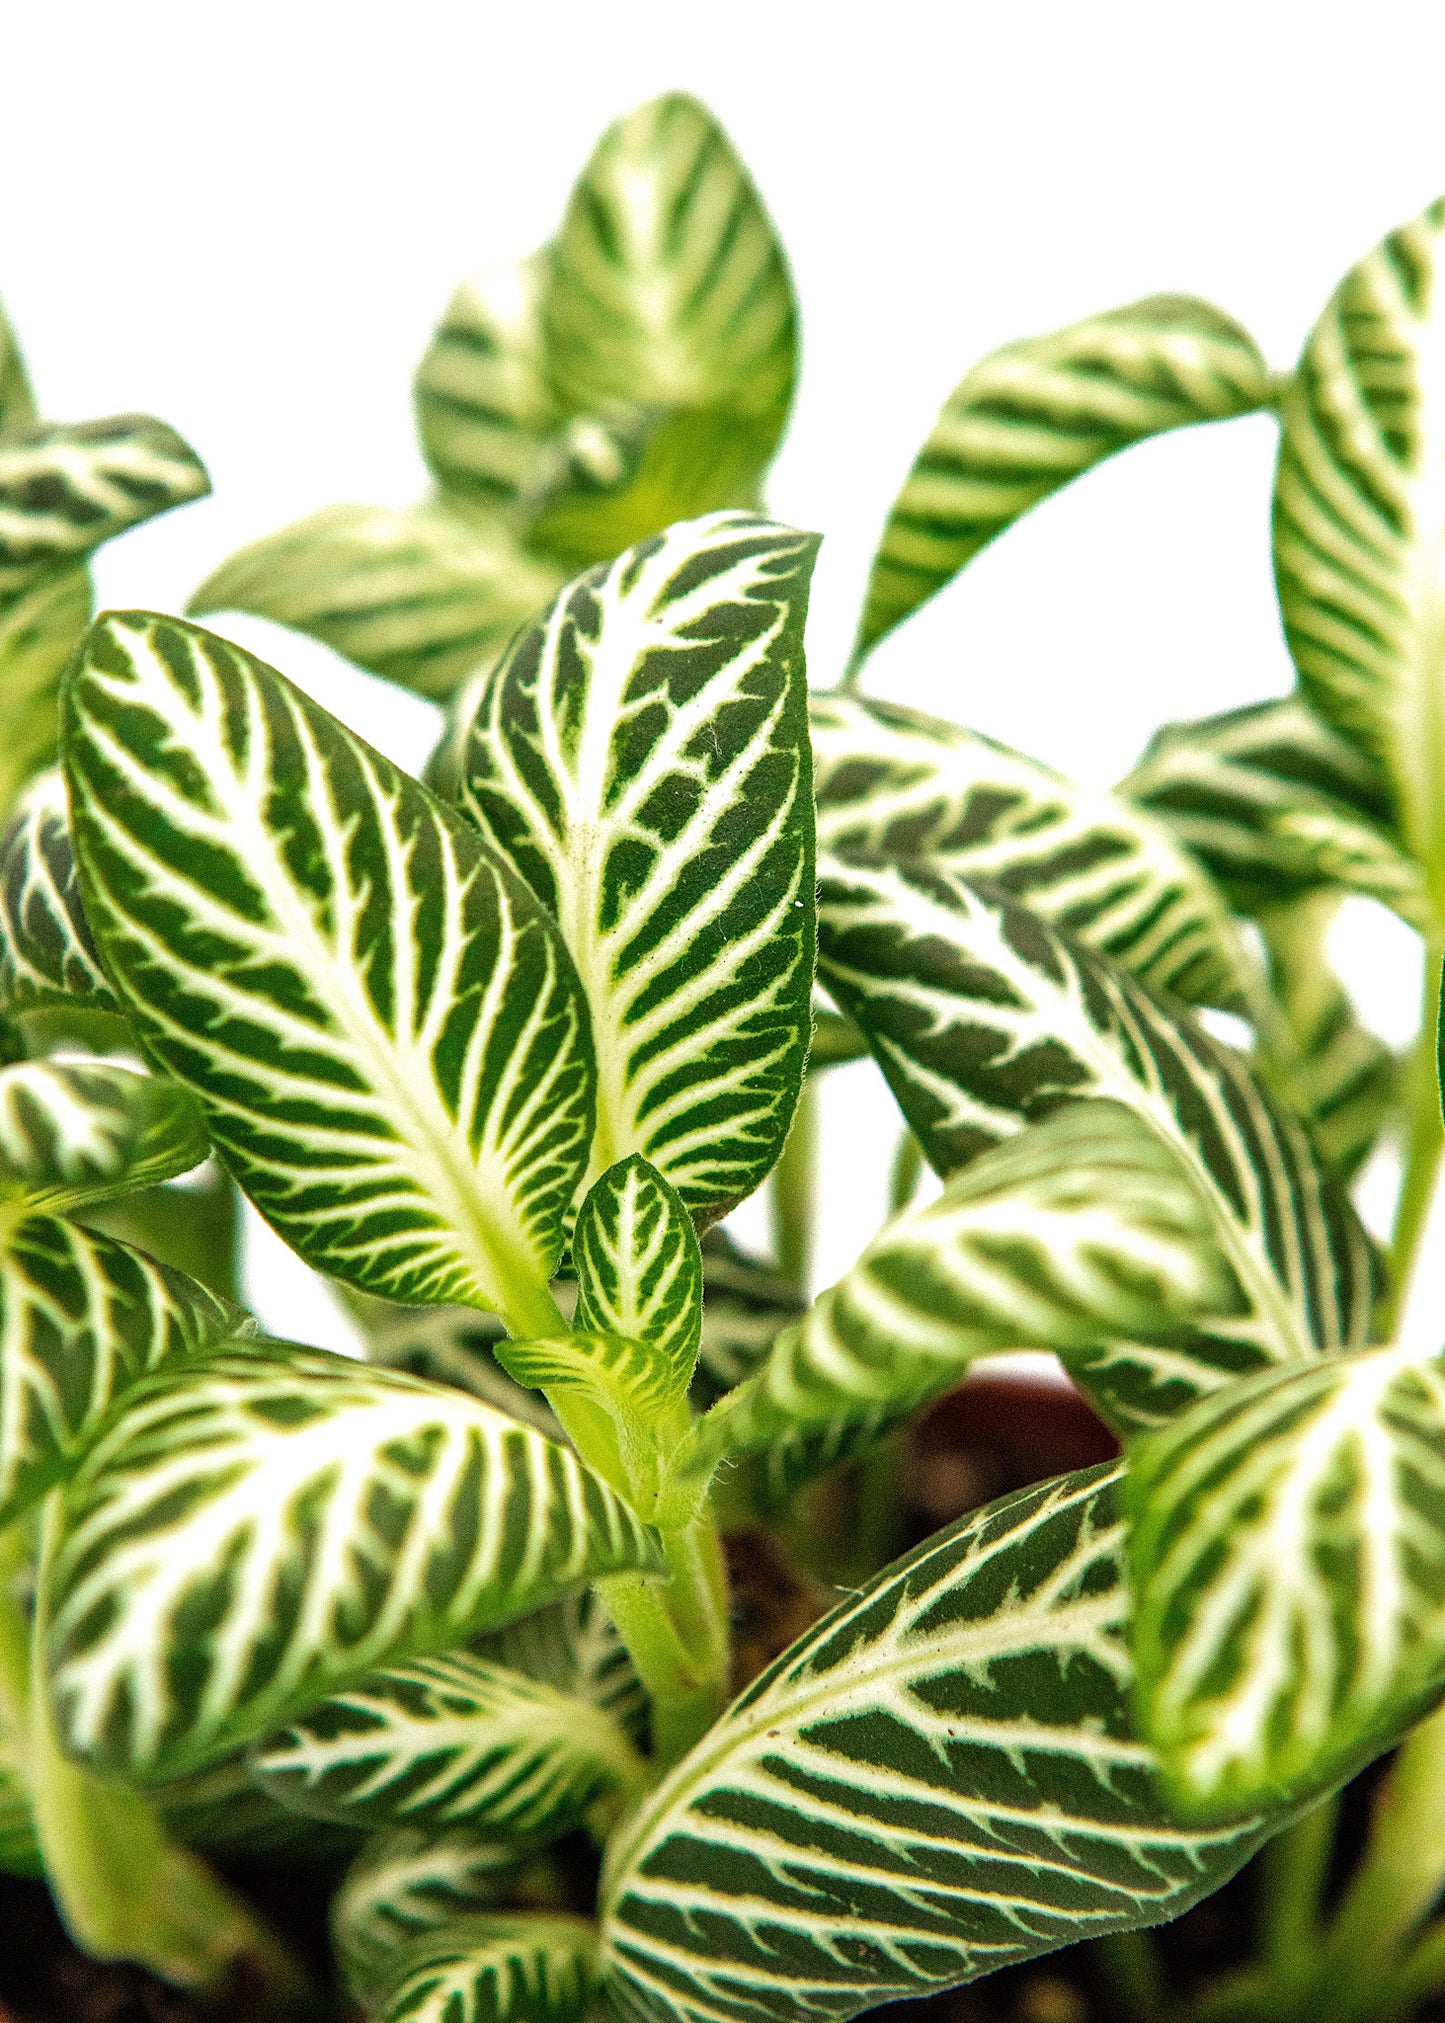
{"x": 246, "y": 217}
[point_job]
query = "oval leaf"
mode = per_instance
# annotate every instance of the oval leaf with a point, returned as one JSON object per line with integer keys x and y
{"x": 494, "y": 1970}
{"x": 638, "y": 1266}
{"x": 47, "y": 952}
{"x": 244, "y": 1542}
{"x": 1359, "y": 526}
{"x": 642, "y": 755}
{"x": 408, "y": 1882}
{"x": 65, "y": 490}
{"x": 484, "y": 407}
{"x": 82, "y": 1318}
{"x": 450, "y": 1741}
{"x": 983, "y": 1018}
{"x": 420, "y": 595}
{"x": 381, "y": 1022}
{"x": 1287, "y": 1551}
{"x": 39, "y": 630}
{"x": 1029, "y": 418}
{"x": 935, "y": 1780}
{"x": 891, "y": 783}
{"x": 73, "y": 1132}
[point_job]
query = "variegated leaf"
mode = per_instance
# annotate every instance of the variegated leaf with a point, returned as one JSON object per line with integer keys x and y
{"x": 642, "y": 755}
{"x": 484, "y": 407}
{"x": 76, "y": 1131}
{"x": 639, "y": 1269}
{"x": 47, "y": 952}
{"x": 408, "y": 1882}
{"x": 423, "y": 595}
{"x": 668, "y": 288}
{"x": 39, "y": 630}
{"x": 81, "y": 1319}
{"x": 893, "y": 784}
{"x": 497, "y": 1969}
{"x": 1287, "y": 1554}
{"x": 574, "y": 1646}
{"x": 382, "y": 1024}
{"x": 17, "y": 403}
{"x": 1359, "y": 524}
{"x": 983, "y": 1018}
{"x": 1029, "y": 418}
{"x": 65, "y": 490}
{"x": 448, "y": 1345}
{"x": 620, "y": 1404}
{"x": 1084, "y": 1234}
{"x": 454, "y": 1740}
{"x": 1245, "y": 791}
{"x": 937, "y": 1779}
{"x": 240, "y": 1544}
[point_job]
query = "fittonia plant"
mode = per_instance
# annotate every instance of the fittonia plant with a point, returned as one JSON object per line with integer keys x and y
{"x": 493, "y": 1061}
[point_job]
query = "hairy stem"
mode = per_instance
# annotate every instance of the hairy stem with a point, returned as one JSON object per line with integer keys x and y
{"x": 676, "y": 1633}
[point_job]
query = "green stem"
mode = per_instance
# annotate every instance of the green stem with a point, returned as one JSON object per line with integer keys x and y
{"x": 124, "y": 1891}
{"x": 793, "y": 1192}
{"x": 676, "y": 1633}
{"x": 1425, "y": 1140}
{"x": 1294, "y": 1868}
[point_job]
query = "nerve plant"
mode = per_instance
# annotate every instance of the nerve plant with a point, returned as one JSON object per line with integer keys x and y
{"x": 492, "y": 1061}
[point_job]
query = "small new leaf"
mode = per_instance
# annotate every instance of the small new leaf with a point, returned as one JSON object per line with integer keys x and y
{"x": 494, "y": 1970}
{"x": 638, "y": 1266}
{"x": 408, "y": 1882}
{"x": 642, "y": 756}
{"x": 938, "y": 1778}
{"x": 244, "y": 1542}
{"x": 618, "y": 1400}
{"x": 1029, "y": 418}
{"x": 484, "y": 408}
{"x": 73, "y": 1132}
{"x": 65, "y": 490}
{"x": 39, "y": 630}
{"x": 47, "y": 952}
{"x": 455, "y": 1740}
{"x": 423, "y": 595}
{"x": 380, "y": 1021}
{"x": 1287, "y": 1554}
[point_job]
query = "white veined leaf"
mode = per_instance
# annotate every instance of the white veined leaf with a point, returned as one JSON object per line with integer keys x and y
{"x": 448, "y": 1345}
{"x": 937, "y": 1779}
{"x": 667, "y": 286}
{"x": 1228, "y": 786}
{"x": 454, "y": 1740}
{"x": 574, "y": 1646}
{"x": 618, "y": 1402}
{"x": 1359, "y": 522}
{"x": 76, "y": 1131}
{"x": 1084, "y": 1234}
{"x": 983, "y": 1018}
{"x": 1030, "y": 417}
{"x": 242, "y": 1543}
{"x": 408, "y": 1882}
{"x": 894, "y": 784}
{"x": 499, "y": 1969}
{"x": 17, "y": 403}
{"x": 383, "y": 1027}
{"x": 39, "y": 630}
{"x": 47, "y": 952}
{"x": 81, "y": 1319}
{"x": 639, "y": 1269}
{"x": 642, "y": 756}
{"x": 64, "y": 490}
{"x": 484, "y": 408}
{"x": 1287, "y": 1555}
{"x": 423, "y": 595}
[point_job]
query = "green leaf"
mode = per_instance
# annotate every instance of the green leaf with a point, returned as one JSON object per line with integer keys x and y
{"x": 1027, "y": 419}
{"x": 82, "y": 1318}
{"x": 574, "y": 1646}
{"x": 1359, "y": 528}
{"x": 423, "y": 595}
{"x": 891, "y": 783}
{"x": 494, "y": 1970}
{"x": 448, "y": 1345}
{"x": 76, "y": 1131}
{"x": 408, "y": 1882}
{"x": 937, "y": 1779}
{"x": 65, "y": 490}
{"x": 1287, "y": 1553}
{"x": 642, "y": 756}
{"x": 383, "y": 1027}
{"x": 1084, "y": 1234}
{"x": 984, "y": 1018}
{"x": 39, "y": 630}
{"x": 17, "y": 403}
{"x": 618, "y": 1402}
{"x": 668, "y": 288}
{"x": 484, "y": 408}
{"x": 639, "y": 1269}
{"x": 244, "y": 1541}
{"x": 47, "y": 952}
{"x": 455, "y": 1740}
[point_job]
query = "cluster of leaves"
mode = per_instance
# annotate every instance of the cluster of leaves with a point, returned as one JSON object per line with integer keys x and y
{"x": 454, "y": 1600}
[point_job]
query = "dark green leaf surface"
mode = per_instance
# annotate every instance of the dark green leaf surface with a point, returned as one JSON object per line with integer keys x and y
{"x": 407, "y": 1882}
{"x": 73, "y": 1132}
{"x": 47, "y": 952}
{"x": 499, "y": 1969}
